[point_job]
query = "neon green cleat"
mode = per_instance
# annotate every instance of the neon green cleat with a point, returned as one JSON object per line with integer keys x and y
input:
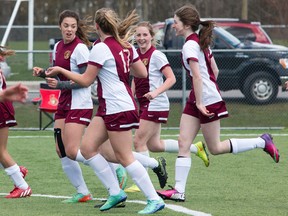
{"x": 153, "y": 206}
{"x": 132, "y": 189}
{"x": 113, "y": 201}
{"x": 202, "y": 153}
{"x": 79, "y": 197}
{"x": 121, "y": 176}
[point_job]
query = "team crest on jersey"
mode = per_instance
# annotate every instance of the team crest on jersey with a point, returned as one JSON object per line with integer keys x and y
{"x": 67, "y": 54}
{"x": 145, "y": 61}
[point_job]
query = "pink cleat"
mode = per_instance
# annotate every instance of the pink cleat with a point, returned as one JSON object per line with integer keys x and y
{"x": 270, "y": 147}
{"x": 24, "y": 171}
{"x": 171, "y": 194}
{"x": 19, "y": 193}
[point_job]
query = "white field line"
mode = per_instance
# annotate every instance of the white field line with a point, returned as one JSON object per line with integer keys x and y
{"x": 172, "y": 207}
{"x": 165, "y": 135}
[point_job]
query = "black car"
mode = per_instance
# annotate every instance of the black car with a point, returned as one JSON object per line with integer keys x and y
{"x": 253, "y": 68}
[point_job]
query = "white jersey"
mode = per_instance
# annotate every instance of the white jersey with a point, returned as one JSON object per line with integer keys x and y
{"x": 72, "y": 57}
{"x": 155, "y": 61}
{"x": 113, "y": 90}
{"x": 191, "y": 51}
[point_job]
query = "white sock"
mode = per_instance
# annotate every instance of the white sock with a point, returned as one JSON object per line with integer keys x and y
{"x": 146, "y": 161}
{"x": 113, "y": 167}
{"x": 182, "y": 168}
{"x": 16, "y": 176}
{"x": 171, "y": 145}
{"x": 73, "y": 172}
{"x": 142, "y": 180}
{"x": 104, "y": 173}
{"x": 79, "y": 157}
{"x": 242, "y": 145}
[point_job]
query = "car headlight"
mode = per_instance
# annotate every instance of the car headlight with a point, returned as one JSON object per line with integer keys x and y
{"x": 284, "y": 62}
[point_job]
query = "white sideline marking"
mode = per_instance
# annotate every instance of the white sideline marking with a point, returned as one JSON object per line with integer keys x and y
{"x": 172, "y": 207}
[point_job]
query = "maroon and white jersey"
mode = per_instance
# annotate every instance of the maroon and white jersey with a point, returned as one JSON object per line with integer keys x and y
{"x": 113, "y": 90}
{"x": 191, "y": 51}
{"x": 6, "y": 108}
{"x": 72, "y": 56}
{"x": 155, "y": 61}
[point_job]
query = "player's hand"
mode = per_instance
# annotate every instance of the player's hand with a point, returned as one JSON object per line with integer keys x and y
{"x": 204, "y": 111}
{"x": 37, "y": 71}
{"x": 52, "y": 82}
{"x": 53, "y": 71}
{"x": 17, "y": 93}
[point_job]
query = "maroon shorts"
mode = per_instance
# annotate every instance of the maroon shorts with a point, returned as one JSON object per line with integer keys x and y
{"x": 155, "y": 116}
{"x": 219, "y": 109}
{"x": 7, "y": 118}
{"x": 122, "y": 121}
{"x": 75, "y": 116}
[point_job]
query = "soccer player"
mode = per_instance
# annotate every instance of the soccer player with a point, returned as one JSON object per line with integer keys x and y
{"x": 153, "y": 101}
{"x": 205, "y": 106}
{"x": 7, "y": 119}
{"x": 75, "y": 106}
{"x": 117, "y": 111}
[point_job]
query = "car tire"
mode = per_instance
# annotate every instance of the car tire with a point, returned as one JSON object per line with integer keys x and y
{"x": 260, "y": 88}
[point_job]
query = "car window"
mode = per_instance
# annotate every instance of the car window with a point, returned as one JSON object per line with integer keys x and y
{"x": 241, "y": 33}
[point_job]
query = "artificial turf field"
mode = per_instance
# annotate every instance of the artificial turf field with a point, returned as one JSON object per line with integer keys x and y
{"x": 245, "y": 184}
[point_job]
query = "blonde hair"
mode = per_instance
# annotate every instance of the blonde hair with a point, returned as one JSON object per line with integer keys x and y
{"x": 150, "y": 29}
{"x": 110, "y": 23}
{"x": 4, "y": 52}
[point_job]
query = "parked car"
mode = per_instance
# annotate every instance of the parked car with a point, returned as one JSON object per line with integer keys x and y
{"x": 251, "y": 67}
{"x": 245, "y": 30}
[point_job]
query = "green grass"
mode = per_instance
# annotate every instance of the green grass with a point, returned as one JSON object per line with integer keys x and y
{"x": 241, "y": 115}
{"x": 236, "y": 185}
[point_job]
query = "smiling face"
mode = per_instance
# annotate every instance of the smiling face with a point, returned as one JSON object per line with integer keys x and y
{"x": 143, "y": 38}
{"x": 179, "y": 26}
{"x": 68, "y": 29}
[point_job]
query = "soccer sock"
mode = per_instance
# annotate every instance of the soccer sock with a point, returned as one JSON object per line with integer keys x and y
{"x": 113, "y": 167}
{"x": 79, "y": 157}
{"x": 16, "y": 176}
{"x": 242, "y": 145}
{"x": 73, "y": 172}
{"x": 142, "y": 180}
{"x": 104, "y": 173}
{"x": 171, "y": 145}
{"x": 146, "y": 161}
{"x": 182, "y": 168}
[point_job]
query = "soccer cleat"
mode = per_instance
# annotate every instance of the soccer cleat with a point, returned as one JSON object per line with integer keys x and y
{"x": 172, "y": 194}
{"x": 19, "y": 193}
{"x": 270, "y": 147}
{"x": 24, "y": 171}
{"x": 119, "y": 205}
{"x": 132, "y": 189}
{"x": 161, "y": 171}
{"x": 122, "y": 176}
{"x": 153, "y": 206}
{"x": 113, "y": 201}
{"x": 202, "y": 153}
{"x": 78, "y": 197}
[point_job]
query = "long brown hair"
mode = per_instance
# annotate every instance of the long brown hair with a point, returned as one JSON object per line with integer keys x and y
{"x": 4, "y": 52}
{"x": 110, "y": 23}
{"x": 189, "y": 15}
{"x": 84, "y": 28}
